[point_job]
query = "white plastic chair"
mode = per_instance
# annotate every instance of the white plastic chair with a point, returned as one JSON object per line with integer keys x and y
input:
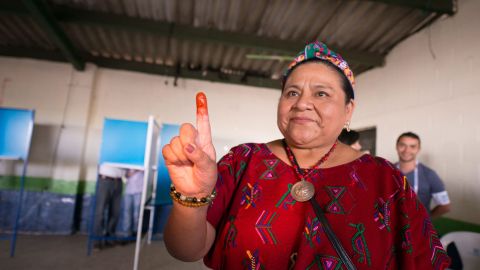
{"x": 468, "y": 246}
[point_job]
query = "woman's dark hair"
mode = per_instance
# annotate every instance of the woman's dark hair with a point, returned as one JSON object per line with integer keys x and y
{"x": 344, "y": 82}
{"x": 349, "y": 137}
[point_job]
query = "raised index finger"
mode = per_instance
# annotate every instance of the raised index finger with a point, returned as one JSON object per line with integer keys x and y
{"x": 203, "y": 122}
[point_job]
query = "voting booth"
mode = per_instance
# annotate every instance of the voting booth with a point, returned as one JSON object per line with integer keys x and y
{"x": 137, "y": 145}
{"x": 129, "y": 145}
{"x": 16, "y": 128}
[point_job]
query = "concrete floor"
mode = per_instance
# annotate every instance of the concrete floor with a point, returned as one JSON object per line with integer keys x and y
{"x": 70, "y": 252}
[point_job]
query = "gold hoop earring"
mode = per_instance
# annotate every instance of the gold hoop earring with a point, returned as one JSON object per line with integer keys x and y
{"x": 347, "y": 126}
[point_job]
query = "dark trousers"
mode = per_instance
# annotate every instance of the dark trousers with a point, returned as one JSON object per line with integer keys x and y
{"x": 108, "y": 198}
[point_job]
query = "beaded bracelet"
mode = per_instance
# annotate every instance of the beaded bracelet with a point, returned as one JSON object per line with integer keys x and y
{"x": 191, "y": 201}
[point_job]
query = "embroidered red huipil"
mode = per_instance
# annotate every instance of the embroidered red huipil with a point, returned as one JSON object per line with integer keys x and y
{"x": 368, "y": 203}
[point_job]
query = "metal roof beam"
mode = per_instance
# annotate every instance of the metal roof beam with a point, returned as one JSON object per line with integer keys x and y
{"x": 183, "y": 72}
{"x": 42, "y": 54}
{"x": 270, "y": 45}
{"x": 439, "y": 6}
{"x": 43, "y": 15}
{"x": 281, "y": 47}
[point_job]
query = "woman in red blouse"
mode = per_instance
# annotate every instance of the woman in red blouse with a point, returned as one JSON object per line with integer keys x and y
{"x": 255, "y": 209}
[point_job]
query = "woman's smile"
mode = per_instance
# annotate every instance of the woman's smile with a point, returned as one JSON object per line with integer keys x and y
{"x": 301, "y": 120}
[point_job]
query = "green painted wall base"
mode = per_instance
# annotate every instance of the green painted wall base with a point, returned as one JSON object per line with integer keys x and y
{"x": 49, "y": 185}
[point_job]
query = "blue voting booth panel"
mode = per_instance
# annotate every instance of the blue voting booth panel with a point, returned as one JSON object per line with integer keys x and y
{"x": 162, "y": 196}
{"x": 16, "y": 127}
{"x": 123, "y": 142}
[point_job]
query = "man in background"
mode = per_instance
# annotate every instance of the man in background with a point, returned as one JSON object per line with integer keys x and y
{"x": 132, "y": 200}
{"x": 108, "y": 198}
{"x": 426, "y": 183}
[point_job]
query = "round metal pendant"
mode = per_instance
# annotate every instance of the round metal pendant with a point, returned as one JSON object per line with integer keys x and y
{"x": 302, "y": 191}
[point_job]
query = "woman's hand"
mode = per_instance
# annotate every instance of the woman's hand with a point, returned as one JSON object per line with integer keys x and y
{"x": 190, "y": 157}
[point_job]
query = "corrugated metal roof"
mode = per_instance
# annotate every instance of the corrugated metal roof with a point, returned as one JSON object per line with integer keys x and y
{"x": 241, "y": 41}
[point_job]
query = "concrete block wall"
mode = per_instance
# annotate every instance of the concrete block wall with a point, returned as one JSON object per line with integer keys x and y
{"x": 61, "y": 99}
{"x": 135, "y": 96}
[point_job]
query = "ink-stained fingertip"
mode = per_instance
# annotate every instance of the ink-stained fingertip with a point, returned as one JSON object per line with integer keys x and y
{"x": 202, "y": 107}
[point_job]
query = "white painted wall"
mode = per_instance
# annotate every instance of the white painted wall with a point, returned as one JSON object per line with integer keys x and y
{"x": 433, "y": 90}
{"x": 61, "y": 98}
{"x": 238, "y": 114}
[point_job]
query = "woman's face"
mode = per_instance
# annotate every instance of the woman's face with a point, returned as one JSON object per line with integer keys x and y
{"x": 312, "y": 110}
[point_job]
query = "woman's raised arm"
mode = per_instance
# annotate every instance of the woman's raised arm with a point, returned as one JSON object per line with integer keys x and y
{"x": 191, "y": 163}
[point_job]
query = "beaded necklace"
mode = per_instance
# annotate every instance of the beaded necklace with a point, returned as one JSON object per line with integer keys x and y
{"x": 302, "y": 190}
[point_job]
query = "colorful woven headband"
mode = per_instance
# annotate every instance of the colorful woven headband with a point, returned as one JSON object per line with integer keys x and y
{"x": 318, "y": 50}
